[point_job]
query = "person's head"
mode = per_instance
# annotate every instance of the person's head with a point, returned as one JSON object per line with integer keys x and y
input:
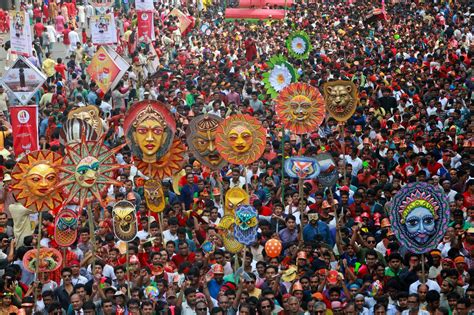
{"x": 66, "y": 275}
{"x": 76, "y": 302}
{"x": 183, "y": 249}
{"x": 433, "y": 299}
{"x": 89, "y": 308}
{"x": 371, "y": 258}
{"x": 380, "y": 309}
{"x": 422, "y": 291}
{"x": 265, "y": 306}
{"x": 201, "y": 308}
{"x": 270, "y": 273}
{"x": 190, "y": 295}
{"x": 147, "y": 307}
{"x": 293, "y": 305}
{"x": 413, "y": 302}
{"x": 359, "y": 302}
{"x": 462, "y": 306}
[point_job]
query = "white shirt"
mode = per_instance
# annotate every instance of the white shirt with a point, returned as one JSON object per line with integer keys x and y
{"x": 167, "y": 236}
{"x": 432, "y": 285}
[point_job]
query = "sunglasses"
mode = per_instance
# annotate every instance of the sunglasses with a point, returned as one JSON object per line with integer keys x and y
{"x": 201, "y": 309}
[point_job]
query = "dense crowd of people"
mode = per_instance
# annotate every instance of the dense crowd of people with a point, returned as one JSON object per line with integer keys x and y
{"x": 415, "y": 81}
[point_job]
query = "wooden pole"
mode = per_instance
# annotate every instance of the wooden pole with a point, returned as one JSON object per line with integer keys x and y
{"x": 38, "y": 247}
{"x": 423, "y": 279}
{"x": 282, "y": 143}
{"x": 343, "y": 132}
{"x": 246, "y": 180}
{"x": 161, "y": 229}
{"x": 301, "y": 210}
{"x": 128, "y": 271}
{"x": 92, "y": 235}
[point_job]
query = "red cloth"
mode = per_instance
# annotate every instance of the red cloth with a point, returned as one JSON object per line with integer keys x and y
{"x": 178, "y": 259}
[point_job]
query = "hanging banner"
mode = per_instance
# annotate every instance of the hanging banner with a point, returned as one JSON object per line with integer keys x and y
{"x": 146, "y": 28}
{"x": 20, "y": 33}
{"x": 144, "y": 5}
{"x": 24, "y": 120}
{"x": 107, "y": 68}
{"x": 184, "y": 21}
{"x": 103, "y": 29}
{"x": 23, "y": 79}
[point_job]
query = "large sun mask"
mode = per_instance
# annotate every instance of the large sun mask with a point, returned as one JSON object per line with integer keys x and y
{"x": 124, "y": 221}
{"x": 233, "y": 198}
{"x": 240, "y": 139}
{"x": 88, "y": 170}
{"x": 300, "y": 107}
{"x": 341, "y": 99}
{"x": 35, "y": 178}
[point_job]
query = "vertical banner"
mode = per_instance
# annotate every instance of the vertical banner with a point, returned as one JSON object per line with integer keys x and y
{"x": 146, "y": 29}
{"x": 24, "y": 120}
{"x": 103, "y": 29}
{"x": 144, "y": 5}
{"x": 20, "y": 33}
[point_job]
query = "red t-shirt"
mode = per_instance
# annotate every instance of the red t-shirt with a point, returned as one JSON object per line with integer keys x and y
{"x": 66, "y": 36}
{"x": 61, "y": 69}
{"x": 178, "y": 259}
{"x": 39, "y": 28}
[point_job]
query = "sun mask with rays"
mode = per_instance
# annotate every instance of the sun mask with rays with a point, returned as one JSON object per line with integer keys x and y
{"x": 87, "y": 171}
{"x": 35, "y": 178}
{"x": 300, "y": 107}
{"x": 240, "y": 139}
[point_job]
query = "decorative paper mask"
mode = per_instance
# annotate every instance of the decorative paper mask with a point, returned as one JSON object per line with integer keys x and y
{"x": 73, "y": 131}
{"x": 125, "y": 221}
{"x": 302, "y": 167}
{"x": 419, "y": 213}
{"x": 299, "y": 45}
{"x": 341, "y": 99}
{"x": 226, "y": 230}
{"x": 90, "y": 115}
{"x": 280, "y": 75}
{"x": 88, "y": 170}
{"x": 149, "y": 128}
{"x": 50, "y": 259}
{"x": 328, "y": 174}
{"x": 65, "y": 231}
{"x": 246, "y": 224}
{"x": 201, "y": 138}
{"x": 154, "y": 197}
{"x": 171, "y": 163}
{"x": 240, "y": 139}
{"x": 35, "y": 178}
{"x": 300, "y": 107}
{"x": 235, "y": 197}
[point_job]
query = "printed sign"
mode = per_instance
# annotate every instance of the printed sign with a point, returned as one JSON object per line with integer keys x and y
{"x": 23, "y": 79}
{"x": 103, "y": 29}
{"x": 24, "y": 120}
{"x": 20, "y": 33}
{"x": 107, "y": 68}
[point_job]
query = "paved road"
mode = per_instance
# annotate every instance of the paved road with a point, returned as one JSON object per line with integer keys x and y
{"x": 59, "y": 50}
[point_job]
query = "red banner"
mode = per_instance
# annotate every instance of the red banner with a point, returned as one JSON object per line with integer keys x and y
{"x": 24, "y": 120}
{"x": 146, "y": 32}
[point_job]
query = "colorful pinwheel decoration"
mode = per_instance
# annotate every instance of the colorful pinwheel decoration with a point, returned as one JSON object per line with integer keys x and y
{"x": 299, "y": 45}
{"x": 280, "y": 75}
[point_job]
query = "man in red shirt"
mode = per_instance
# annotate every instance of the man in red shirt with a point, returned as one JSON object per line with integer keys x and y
{"x": 60, "y": 68}
{"x": 39, "y": 28}
{"x": 183, "y": 254}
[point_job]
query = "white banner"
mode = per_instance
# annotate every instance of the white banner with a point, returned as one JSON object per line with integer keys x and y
{"x": 144, "y": 5}
{"x": 20, "y": 33}
{"x": 103, "y": 29}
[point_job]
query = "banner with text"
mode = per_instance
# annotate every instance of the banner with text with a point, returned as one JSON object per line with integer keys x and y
{"x": 24, "y": 120}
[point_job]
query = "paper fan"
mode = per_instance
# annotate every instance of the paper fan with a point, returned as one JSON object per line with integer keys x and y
{"x": 280, "y": 74}
{"x": 299, "y": 45}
